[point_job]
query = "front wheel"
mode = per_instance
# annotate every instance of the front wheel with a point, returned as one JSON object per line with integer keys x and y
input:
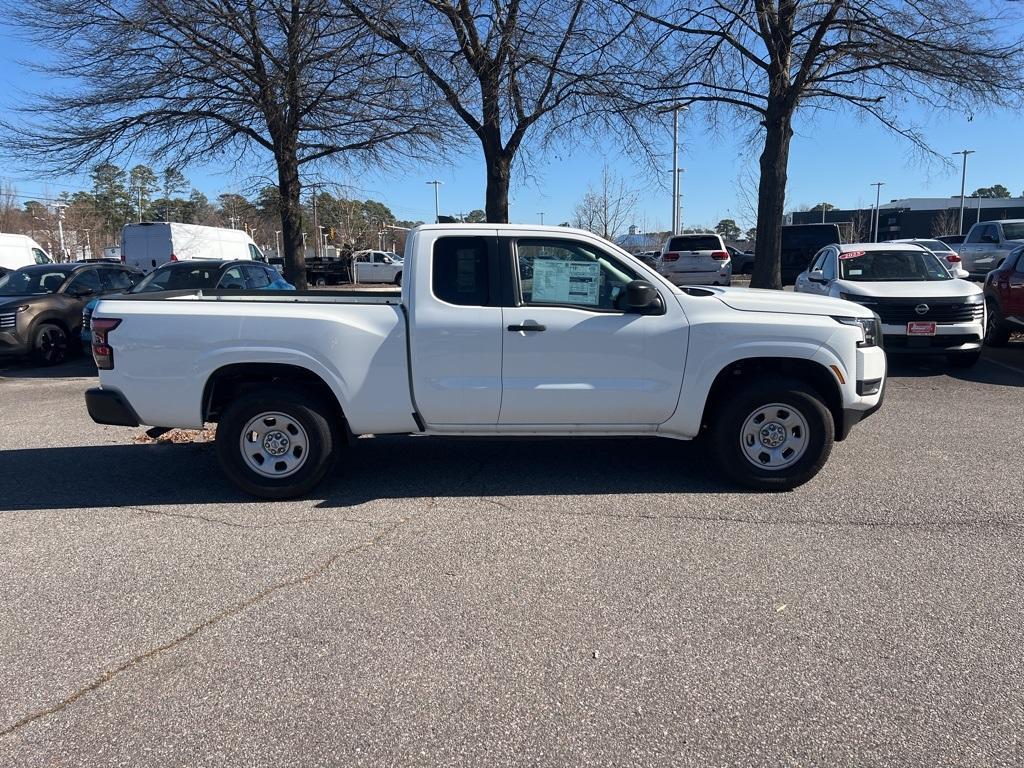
{"x": 996, "y": 332}
{"x": 398, "y": 279}
{"x": 772, "y": 434}
{"x": 49, "y": 345}
{"x": 276, "y": 442}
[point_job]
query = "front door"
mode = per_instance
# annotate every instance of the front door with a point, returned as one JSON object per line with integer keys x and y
{"x": 572, "y": 354}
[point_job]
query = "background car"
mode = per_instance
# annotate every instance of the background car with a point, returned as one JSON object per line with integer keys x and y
{"x": 1004, "y": 299}
{"x": 742, "y": 261}
{"x": 377, "y": 267}
{"x": 988, "y": 243}
{"x": 923, "y": 309}
{"x": 696, "y": 259}
{"x": 199, "y": 275}
{"x": 41, "y": 306}
{"x": 650, "y": 258}
{"x": 944, "y": 251}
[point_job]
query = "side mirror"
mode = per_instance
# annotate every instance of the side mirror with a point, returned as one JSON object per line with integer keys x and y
{"x": 83, "y": 293}
{"x": 817, "y": 276}
{"x": 641, "y": 296}
{"x": 962, "y": 273}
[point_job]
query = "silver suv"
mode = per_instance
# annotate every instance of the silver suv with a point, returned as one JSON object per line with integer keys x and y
{"x": 988, "y": 243}
{"x": 696, "y": 259}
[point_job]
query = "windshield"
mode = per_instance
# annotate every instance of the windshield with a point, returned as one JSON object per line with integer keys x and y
{"x": 178, "y": 277}
{"x": 1013, "y": 231}
{"x": 26, "y": 282}
{"x": 890, "y": 266}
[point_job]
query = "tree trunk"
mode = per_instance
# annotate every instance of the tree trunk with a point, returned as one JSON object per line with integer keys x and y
{"x": 771, "y": 199}
{"x": 498, "y": 177}
{"x": 291, "y": 221}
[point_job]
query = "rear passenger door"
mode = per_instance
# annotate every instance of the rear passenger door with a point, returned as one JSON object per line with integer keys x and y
{"x": 455, "y": 323}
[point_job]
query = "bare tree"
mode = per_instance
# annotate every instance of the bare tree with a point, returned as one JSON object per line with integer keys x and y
{"x": 189, "y": 80}
{"x": 776, "y": 58}
{"x": 515, "y": 69}
{"x": 946, "y": 222}
{"x": 607, "y": 208}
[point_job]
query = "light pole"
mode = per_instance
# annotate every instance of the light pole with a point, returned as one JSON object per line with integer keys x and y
{"x": 676, "y": 189}
{"x": 678, "y": 212}
{"x": 878, "y": 194}
{"x": 541, "y": 214}
{"x": 277, "y": 242}
{"x": 823, "y": 212}
{"x": 437, "y": 203}
{"x": 963, "y": 185}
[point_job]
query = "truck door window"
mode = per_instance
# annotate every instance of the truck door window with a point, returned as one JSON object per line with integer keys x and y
{"x": 570, "y": 273}
{"x": 232, "y": 279}
{"x": 40, "y": 257}
{"x": 115, "y": 280}
{"x": 84, "y": 282}
{"x": 255, "y": 254}
{"x": 974, "y": 236}
{"x": 460, "y": 271}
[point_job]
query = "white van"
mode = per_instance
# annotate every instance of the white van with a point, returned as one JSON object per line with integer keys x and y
{"x": 148, "y": 245}
{"x": 17, "y": 251}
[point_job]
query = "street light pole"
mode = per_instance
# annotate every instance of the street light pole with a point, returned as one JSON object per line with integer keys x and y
{"x": 277, "y": 243}
{"x": 541, "y": 214}
{"x": 437, "y": 201}
{"x": 878, "y": 194}
{"x": 679, "y": 202}
{"x": 963, "y": 185}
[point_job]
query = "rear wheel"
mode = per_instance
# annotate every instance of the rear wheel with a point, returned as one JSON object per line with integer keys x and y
{"x": 49, "y": 344}
{"x": 398, "y": 279}
{"x": 996, "y": 332}
{"x": 773, "y": 434}
{"x": 276, "y": 442}
{"x": 964, "y": 359}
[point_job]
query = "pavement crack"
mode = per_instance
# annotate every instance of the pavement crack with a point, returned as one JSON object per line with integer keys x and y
{"x": 185, "y": 637}
{"x": 229, "y": 524}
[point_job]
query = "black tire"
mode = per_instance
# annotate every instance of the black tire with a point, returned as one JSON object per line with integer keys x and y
{"x": 310, "y": 418}
{"x": 320, "y": 281}
{"x": 996, "y": 332}
{"x": 398, "y": 279}
{"x": 49, "y": 344}
{"x": 813, "y": 444}
{"x": 964, "y": 359}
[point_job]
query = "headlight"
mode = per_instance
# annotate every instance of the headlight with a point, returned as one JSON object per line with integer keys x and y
{"x": 978, "y": 298}
{"x": 22, "y": 308}
{"x": 870, "y": 327}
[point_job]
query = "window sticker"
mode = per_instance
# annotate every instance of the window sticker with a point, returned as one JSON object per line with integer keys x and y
{"x": 566, "y": 282}
{"x": 851, "y": 255}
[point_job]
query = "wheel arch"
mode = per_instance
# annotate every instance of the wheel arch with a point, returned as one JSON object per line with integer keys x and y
{"x": 814, "y": 374}
{"x": 230, "y": 381}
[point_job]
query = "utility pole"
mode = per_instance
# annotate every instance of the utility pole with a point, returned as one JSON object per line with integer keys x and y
{"x": 140, "y": 203}
{"x": 823, "y": 213}
{"x": 878, "y": 193}
{"x": 437, "y": 200}
{"x": 963, "y": 185}
{"x": 60, "y": 226}
{"x": 277, "y": 243}
{"x": 316, "y": 230}
{"x": 676, "y": 189}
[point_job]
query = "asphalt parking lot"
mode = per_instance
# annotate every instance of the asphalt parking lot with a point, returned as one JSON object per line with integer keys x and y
{"x": 517, "y": 603}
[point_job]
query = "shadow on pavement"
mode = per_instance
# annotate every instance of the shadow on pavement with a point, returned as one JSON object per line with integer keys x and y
{"x": 991, "y": 369}
{"x": 380, "y": 468}
{"x": 77, "y": 367}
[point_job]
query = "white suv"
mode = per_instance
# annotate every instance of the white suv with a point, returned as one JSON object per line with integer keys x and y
{"x": 696, "y": 259}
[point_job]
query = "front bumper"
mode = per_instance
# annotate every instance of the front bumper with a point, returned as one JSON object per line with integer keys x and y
{"x": 12, "y": 344}
{"x": 872, "y": 368}
{"x": 964, "y": 338}
{"x": 108, "y": 406}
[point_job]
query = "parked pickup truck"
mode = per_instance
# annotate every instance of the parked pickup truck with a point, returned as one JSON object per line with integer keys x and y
{"x": 988, "y": 243}
{"x": 499, "y": 330}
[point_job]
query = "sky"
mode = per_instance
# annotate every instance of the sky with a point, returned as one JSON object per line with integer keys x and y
{"x": 835, "y": 157}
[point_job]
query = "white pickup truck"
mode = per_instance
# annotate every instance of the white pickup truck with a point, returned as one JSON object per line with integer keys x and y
{"x": 500, "y": 330}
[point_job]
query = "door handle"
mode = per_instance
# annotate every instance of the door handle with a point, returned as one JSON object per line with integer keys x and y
{"x": 530, "y": 327}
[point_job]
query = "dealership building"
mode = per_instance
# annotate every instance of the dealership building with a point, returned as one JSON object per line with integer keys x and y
{"x": 919, "y": 216}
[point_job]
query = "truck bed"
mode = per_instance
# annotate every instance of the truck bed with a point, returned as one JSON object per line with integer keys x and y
{"x": 273, "y": 297}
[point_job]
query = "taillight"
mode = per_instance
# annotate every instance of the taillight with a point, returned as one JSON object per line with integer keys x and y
{"x": 101, "y": 350}
{"x": 173, "y": 257}
{"x": 953, "y": 258}
{"x": 719, "y": 255}
{"x": 670, "y": 256}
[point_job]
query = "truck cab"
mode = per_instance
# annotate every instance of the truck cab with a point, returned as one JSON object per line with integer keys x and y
{"x": 988, "y": 243}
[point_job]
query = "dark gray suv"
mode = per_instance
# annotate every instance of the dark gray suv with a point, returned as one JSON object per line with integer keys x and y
{"x": 41, "y": 306}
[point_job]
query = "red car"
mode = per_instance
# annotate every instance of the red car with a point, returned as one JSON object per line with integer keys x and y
{"x": 1004, "y": 299}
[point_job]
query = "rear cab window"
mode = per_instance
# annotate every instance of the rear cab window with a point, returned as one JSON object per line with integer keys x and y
{"x": 463, "y": 271}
